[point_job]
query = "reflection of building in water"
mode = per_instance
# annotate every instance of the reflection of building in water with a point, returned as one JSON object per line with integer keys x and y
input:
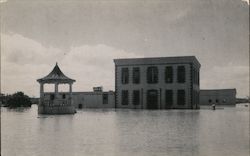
{"x": 157, "y": 83}
{"x": 55, "y": 103}
{"x": 218, "y": 96}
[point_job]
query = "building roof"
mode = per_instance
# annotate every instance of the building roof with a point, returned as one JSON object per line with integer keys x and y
{"x": 56, "y": 76}
{"x": 218, "y": 91}
{"x": 85, "y": 93}
{"x": 227, "y": 89}
{"x": 158, "y": 60}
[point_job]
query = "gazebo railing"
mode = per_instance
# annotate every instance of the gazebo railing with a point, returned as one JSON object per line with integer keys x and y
{"x": 57, "y": 102}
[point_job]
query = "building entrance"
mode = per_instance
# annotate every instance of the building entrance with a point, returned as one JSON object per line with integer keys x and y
{"x": 80, "y": 106}
{"x": 152, "y": 99}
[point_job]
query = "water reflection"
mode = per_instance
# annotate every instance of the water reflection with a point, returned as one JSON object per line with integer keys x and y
{"x": 162, "y": 132}
{"x": 126, "y": 132}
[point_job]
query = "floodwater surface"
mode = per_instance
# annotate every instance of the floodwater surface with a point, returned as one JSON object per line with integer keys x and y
{"x": 98, "y": 132}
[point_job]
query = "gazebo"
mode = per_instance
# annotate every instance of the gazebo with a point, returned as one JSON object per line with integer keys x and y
{"x": 55, "y": 102}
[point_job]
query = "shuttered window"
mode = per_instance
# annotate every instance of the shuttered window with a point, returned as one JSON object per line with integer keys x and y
{"x": 136, "y": 75}
{"x": 169, "y": 98}
{"x": 105, "y": 98}
{"x": 124, "y": 97}
{"x": 136, "y": 97}
{"x": 169, "y": 74}
{"x": 181, "y": 74}
{"x": 125, "y": 75}
{"x": 152, "y": 75}
{"x": 181, "y": 97}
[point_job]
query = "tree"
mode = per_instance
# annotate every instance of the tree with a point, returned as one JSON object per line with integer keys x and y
{"x": 18, "y": 99}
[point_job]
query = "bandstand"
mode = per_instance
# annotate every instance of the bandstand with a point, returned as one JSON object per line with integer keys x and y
{"x": 56, "y": 103}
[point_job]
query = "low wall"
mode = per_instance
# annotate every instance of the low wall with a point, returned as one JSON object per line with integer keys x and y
{"x": 56, "y": 110}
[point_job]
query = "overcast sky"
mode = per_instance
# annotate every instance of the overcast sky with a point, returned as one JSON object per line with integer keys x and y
{"x": 85, "y": 36}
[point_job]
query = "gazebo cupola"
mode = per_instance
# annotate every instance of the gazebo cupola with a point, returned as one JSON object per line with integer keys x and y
{"x": 56, "y": 104}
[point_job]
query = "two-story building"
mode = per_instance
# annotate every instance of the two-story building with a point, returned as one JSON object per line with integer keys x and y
{"x": 157, "y": 83}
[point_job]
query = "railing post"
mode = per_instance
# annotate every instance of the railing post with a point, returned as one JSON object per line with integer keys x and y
{"x": 56, "y": 90}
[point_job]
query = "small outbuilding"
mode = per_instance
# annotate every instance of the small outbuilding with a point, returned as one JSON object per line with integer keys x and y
{"x": 218, "y": 97}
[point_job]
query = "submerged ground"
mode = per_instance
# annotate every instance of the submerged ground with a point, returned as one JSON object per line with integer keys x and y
{"x": 203, "y": 132}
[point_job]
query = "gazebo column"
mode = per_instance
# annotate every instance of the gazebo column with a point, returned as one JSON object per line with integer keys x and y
{"x": 41, "y": 93}
{"x": 56, "y": 90}
{"x": 70, "y": 93}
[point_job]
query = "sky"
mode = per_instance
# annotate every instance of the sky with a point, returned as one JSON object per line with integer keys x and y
{"x": 85, "y": 36}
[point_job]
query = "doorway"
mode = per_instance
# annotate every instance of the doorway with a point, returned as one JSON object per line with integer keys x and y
{"x": 168, "y": 99}
{"x": 80, "y": 106}
{"x": 152, "y": 99}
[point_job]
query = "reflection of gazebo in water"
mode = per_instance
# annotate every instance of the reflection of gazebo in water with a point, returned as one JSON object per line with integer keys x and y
{"x": 56, "y": 103}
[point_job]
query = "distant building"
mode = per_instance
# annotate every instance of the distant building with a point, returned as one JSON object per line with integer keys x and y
{"x": 157, "y": 83}
{"x": 242, "y": 100}
{"x": 94, "y": 99}
{"x": 218, "y": 96}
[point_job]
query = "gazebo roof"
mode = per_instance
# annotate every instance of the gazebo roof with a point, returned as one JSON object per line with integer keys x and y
{"x": 56, "y": 76}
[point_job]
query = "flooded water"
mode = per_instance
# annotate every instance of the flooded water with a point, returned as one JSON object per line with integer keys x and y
{"x": 96, "y": 132}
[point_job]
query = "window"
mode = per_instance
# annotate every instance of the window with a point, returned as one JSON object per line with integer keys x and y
{"x": 136, "y": 97}
{"x": 181, "y": 97}
{"x": 125, "y": 75}
{"x": 152, "y": 75}
{"x": 181, "y": 74}
{"x": 169, "y": 74}
{"x": 63, "y": 96}
{"x": 136, "y": 75}
{"x": 80, "y": 106}
{"x": 169, "y": 98}
{"x": 105, "y": 98}
{"x": 217, "y": 101}
{"x": 125, "y": 97}
{"x": 209, "y": 100}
